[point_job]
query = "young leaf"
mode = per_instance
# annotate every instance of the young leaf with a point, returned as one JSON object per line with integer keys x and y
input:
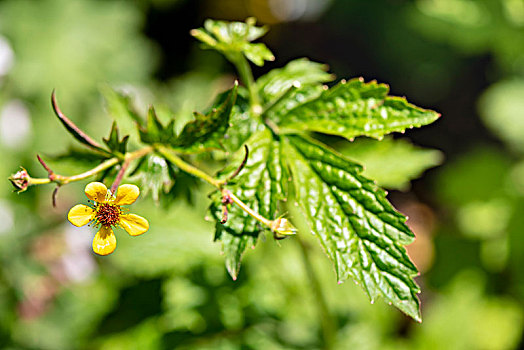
{"x": 355, "y": 108}
{"x": 154, "y": 131}
{"x": 207, "y": 131}
{"x": 392, "y": 163}
{"x": 233, "y": 38}
{"x": 113, "y": 141}
{"x": 260, "y": 186}
{"x": 358, "y": 228}
{"x": 302, "y": 71}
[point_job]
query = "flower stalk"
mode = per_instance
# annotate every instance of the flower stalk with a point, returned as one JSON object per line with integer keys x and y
{"x": 219, "y": 184}
{"x": 22, "y": 179}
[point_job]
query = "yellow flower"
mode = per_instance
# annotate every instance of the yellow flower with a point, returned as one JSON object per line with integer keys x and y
{"x": 107, "y": 213}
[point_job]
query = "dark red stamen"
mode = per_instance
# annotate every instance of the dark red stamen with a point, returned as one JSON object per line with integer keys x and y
{"x": 107, "y": 214}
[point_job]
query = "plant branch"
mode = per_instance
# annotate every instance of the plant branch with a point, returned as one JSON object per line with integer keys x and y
{"x": 190, "y": 169}
{"x": 62, "y": 180}
{"x": 251, "y": 212}
{"x": 246, "y": 75}
{"x": 186, "y": 167}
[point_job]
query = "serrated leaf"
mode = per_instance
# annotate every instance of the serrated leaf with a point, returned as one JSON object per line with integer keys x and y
{"x": 113, "y": 141}
{"x": 260, "y": 186}
{"x": 392, "y": 163}
{"x": 358, "y": 228}
{"x": 154, "y": 131}
{"x": 241, "y": 124}
{"x": 355, "y": 108}
{"x": 233, "y": 38}
{"x": 302, "y": 71}
{"x": 207, "y": 131}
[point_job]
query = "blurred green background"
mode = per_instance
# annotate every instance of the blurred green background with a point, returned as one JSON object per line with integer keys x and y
{"x": 168, "y": 288}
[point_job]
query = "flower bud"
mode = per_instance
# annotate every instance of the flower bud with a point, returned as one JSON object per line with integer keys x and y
{"x": 282, "y": 228}
{"x": 20, "y": 180}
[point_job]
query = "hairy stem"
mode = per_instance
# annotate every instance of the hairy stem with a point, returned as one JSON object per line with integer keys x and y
{"x": 326, "y": 319}
{"x": 186, "y": 167}
{"x": 250, "y": 211}
{"x": 190, "y": 169}
{"x": 62, "y": 180}
{"x": 246, "y": 75}
{"x": 120, "y": 176}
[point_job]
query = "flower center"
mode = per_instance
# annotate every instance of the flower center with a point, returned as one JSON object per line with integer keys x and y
{"x": 107, "y": 214}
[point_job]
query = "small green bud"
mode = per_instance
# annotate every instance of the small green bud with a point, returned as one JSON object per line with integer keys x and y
{"x": 282, "y": 228}
{"x": 20, "y": 180}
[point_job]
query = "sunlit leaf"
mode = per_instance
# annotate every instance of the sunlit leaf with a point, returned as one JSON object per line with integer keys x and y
{"x": 233, "y": 38}
{"x": 358, "y": 228}
{"x": 259, "y": 185}
{"x": 301, "y": 71}
{"x": 355, "y": 108}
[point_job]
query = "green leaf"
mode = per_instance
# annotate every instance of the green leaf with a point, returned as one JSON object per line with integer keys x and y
{"x": 358, "y": 228}
{"x": 355, "y": 108}
{"x": 260, "y": 186}
{"x": 392, "y": 163}
{"x": 241, "y": 124}
{"x": 154, "y": 131}
{"x": 302, "y": 71}
{"x": 207, "y": 131}
{"x": 233, "y": 38}
{"x": 113, "y": 141}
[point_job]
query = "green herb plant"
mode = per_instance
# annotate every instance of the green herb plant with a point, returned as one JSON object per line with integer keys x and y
{"x": 266, "y": 132}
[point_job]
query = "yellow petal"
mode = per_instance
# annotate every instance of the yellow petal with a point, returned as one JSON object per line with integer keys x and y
{"x": 80, "y": 215}
{"x": 96, "y": 191}
{"x": 104, "y": 242}
{"x": 134, "y": 224}
{"x": 127, "y": 194}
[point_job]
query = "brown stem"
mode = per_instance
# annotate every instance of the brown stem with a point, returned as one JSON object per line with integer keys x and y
{"x": 51, "y": 175}
{"x": 72, "y": 126}
{"x": 120, "y": 175}
{"x": 55, "y": 194}
{"x": 242, "y": 165}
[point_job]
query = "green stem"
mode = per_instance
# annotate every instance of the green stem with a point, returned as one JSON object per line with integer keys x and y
{"x": 186, "y": 167}
{"x": 250, "y": 211}
{"x": 326, "y": 319}
{"x": 167, "y": 153}
{"x": 62, "y": 180}
{"x": 246, "y": 75}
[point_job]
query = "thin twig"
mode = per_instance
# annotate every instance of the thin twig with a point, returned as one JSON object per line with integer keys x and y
{"x": 54, "y": 196}
{"x": 50, "y": 174}
{"x": 120, "y": 176}
{"x": 70, "y": 125}
{"x": 241, "y": 166}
